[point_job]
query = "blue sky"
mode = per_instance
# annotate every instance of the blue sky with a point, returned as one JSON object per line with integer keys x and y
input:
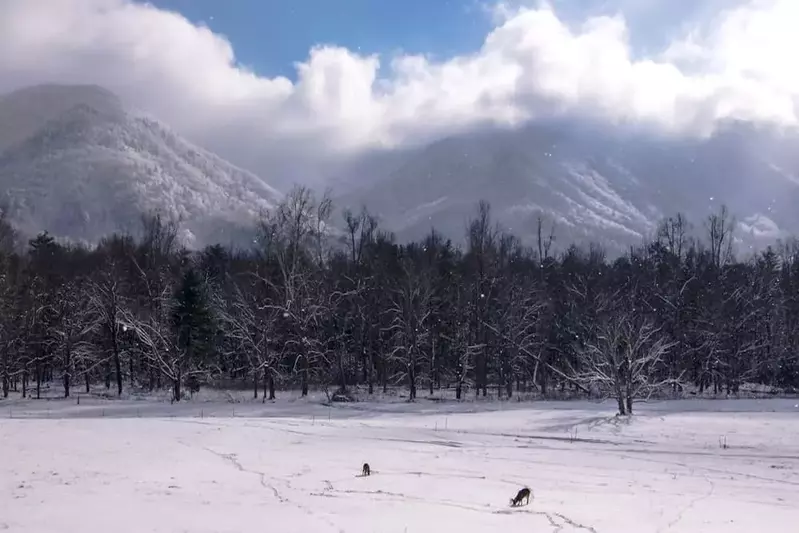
{"x": 270, "y": 35}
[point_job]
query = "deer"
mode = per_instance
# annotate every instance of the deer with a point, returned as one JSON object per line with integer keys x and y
{"x": 523, "y": 494}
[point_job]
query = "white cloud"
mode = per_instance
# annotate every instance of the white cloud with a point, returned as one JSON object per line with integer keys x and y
{"x": 739, "y": 65}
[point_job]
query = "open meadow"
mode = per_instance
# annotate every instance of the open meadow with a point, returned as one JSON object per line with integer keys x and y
{"x": 294, "y": 466}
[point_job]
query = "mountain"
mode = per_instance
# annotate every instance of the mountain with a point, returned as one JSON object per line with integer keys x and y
{"x": 610, "y": 185}
{"x": 24, "y": 112}
{"x": 75, "y": 162}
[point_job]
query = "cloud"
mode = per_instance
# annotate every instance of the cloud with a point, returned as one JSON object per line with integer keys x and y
{"x": 736, "y": 64}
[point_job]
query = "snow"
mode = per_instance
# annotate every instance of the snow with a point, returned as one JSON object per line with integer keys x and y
{"x": 294, "y": 465}
{"x": 92, "y": 168}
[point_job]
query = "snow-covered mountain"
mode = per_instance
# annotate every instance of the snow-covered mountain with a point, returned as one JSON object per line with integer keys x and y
{"x": 602, "y": 184}
{"x": 75, "y": 162}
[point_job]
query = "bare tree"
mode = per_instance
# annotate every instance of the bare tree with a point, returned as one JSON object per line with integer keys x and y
{"x": 673, "y": 234}
{"x": 321, "y": 232}
{"x": 624, "y": 359}
{"x": 720, "y": 233}
{"x": 168, "y": 341}
{"x": 250, "y": 322}
{"x": 73, "y": 329}
{"x": 410, "y": 312}
{"x": 288, "y": 234}
{"x": 544, "y": 242}
{"x": 156, "y": 342}
{"x": 481, "y": 256}
{"x": 107, "y": 301}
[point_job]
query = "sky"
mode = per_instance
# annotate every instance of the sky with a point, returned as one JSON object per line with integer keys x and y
{"x": 271, "y": 36}
{"x": 314, "y": 79}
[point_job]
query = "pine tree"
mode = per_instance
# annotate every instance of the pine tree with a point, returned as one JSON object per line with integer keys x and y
{"x": 193, "y": 321}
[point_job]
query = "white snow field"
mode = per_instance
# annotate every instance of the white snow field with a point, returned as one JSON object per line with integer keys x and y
{"x": 293, "y": 466}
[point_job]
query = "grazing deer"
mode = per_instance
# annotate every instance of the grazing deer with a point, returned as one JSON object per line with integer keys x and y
{"x": 523, "y": 494}
{"x": 367, "y": 471}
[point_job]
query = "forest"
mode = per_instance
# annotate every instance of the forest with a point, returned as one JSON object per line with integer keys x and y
{"x": 307, "y": 307}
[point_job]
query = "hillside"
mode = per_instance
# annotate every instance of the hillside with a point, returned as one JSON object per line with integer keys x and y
{"x": 87, "y": 167}
{"x": 596, "y": 184}
{"x": 76, "y": 162}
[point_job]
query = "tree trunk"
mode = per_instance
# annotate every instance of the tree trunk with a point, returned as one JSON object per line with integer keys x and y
{"x": 370, "y": 373}
{"x": 619, "y": 389}
{"x": 67, "y": 368}
{"x": 271, "y": 381}
{"x": 628, "y": 394}
{"x": 411, "y": 384}
{"x": 88, "y": 382}
{"x": 116, "y": 358}
{"x": 176, "y": 388}
{"x": 433, "y": 362}
{"x": 38, "y": 380}
{"x": 254, "y": 383}
{"x": 6, "y": 376}
{"x": 24, "y": 383}
{"x": 118, "y": 372}
{"x": 342, "y": 377}
{"x": 265, "y": 384}
{"x": 304, "y": 376}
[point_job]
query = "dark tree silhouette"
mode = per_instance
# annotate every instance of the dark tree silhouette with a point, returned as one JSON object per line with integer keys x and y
{"x": 304, "y": 309}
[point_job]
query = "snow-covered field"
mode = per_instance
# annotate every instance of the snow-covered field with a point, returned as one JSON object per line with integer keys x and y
{"x": 293, "y": 466}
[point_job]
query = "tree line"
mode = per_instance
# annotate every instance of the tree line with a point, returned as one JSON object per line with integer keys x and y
{"x": 306, "y": 308}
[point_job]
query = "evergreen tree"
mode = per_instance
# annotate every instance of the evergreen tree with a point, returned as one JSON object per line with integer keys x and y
{"x": 193, "y": 321}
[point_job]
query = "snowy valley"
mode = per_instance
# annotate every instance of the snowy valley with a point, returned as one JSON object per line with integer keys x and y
{"x": 503, "y": 266}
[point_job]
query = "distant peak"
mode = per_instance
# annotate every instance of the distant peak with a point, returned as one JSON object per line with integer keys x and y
{"x": 60, "y": 89}
{"x": 53, "y": 99}
{"x": 26, "y": 111}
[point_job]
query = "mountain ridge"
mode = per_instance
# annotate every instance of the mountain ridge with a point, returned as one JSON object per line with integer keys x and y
{"x": 613, "y": 188}
{"x": 79, "y": 164}
{"x": 91, "y": 170}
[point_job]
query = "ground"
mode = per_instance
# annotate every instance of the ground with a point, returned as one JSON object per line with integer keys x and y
{"x": 294, "y": 466}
